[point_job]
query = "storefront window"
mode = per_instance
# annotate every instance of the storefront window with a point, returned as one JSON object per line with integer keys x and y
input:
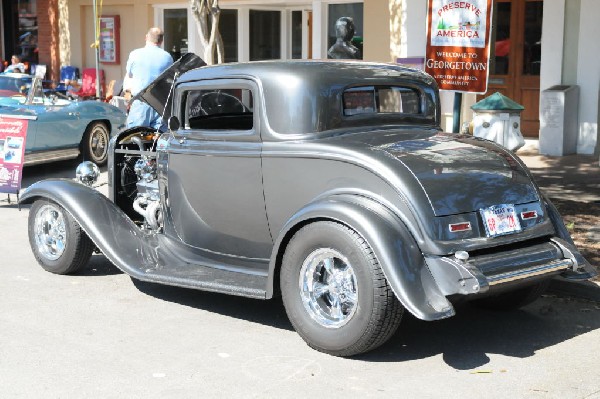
{"x": 27, "y": 39}
{"x": 500, "y": 49}
{"x": 352, "y": 10}
{"x": 265, "y": 35}
{"x": 296, "y": 29}
{"x": 176, "y": 32}
{"x": 532, "y": 48}
{"x": 228, "y": 27}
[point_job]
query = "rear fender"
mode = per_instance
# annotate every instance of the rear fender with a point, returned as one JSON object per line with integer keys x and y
{"x": 395, "y": 248}
{"x": 111, "y": 230}
{"x": 557, "y": 221}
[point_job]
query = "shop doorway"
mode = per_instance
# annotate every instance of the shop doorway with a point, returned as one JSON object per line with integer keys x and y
{"x": 515, "y": 57}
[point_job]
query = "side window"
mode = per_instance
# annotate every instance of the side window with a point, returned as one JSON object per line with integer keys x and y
{"x": 219, "y": 109}
{"x": 381, "y": 100}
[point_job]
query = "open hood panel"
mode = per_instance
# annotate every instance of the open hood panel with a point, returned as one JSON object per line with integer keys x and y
{"x": 156, "y": 94}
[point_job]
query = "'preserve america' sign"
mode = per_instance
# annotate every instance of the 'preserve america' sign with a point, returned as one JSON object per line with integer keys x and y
{"x": 458, "y": 44}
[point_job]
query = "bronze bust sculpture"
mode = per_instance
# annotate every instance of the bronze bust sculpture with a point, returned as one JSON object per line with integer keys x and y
{"x": 343, "y": 47}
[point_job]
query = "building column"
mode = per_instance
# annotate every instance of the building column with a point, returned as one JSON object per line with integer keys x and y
{"x": 48, "y": 49}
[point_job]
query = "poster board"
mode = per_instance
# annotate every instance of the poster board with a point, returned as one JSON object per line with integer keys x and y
{"x": 13, "y": 133}
{"x": 458, "y": 44}
{"x": 110, "y": 27}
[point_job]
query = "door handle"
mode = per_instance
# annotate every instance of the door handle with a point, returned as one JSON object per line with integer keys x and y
{"x": 73, "y": 113}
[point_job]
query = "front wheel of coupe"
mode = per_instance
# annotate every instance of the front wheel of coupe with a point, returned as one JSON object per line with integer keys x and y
{"x": 58, "y": 243}
{"x": 334, "y": 291}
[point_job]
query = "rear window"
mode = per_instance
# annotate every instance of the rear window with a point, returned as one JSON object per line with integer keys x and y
{"x": 381, "y": 100}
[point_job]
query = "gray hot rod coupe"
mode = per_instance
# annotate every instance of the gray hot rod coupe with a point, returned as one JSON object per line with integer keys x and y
{"x": 327, "y": 183}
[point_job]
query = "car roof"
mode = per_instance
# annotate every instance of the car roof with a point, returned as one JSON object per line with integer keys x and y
{"x": 321, "y": 69}
{"x": 304, "y": 96}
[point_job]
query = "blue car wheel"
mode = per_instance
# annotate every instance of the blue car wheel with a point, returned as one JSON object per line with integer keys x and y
{"x": 95, "y": 143}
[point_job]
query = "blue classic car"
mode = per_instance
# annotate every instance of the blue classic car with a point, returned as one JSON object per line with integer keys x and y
{"x": 59, "y": 128}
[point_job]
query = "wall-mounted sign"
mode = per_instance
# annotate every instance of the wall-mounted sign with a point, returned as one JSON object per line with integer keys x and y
{"x": 13, "y": 132}
{"x": 109, "y": 39}
{"x": 458, "y": 36}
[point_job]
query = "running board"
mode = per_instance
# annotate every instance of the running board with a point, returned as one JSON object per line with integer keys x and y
{"x": 36, "y": 158}
{"x": 149, "y": 256}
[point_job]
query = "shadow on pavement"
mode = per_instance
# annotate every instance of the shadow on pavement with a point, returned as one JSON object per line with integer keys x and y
{"x": 570, "y": 177}
{"x": 465, "y": 340}
{"x": 270, "y": 313}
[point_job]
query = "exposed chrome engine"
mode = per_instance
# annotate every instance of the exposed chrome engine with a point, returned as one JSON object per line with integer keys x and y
{"x": 139, "y": 190}
{"x": 147, "y": 201}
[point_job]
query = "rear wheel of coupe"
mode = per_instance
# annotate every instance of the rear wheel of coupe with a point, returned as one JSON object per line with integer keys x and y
{"x": 335, "y": 293}
{"x": 57, "y": 241}
{"x": 95, "y": 143}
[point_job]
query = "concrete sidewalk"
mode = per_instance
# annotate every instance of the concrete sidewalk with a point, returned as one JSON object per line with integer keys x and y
{"x": 571, "y": 177}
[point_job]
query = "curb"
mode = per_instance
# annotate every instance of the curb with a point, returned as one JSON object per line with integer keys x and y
{"x": 578, "y": 289}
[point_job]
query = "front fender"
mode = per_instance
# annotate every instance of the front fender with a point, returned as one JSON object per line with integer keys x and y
{"x": 111, "y": 230}
{"x": 395, "y": 248}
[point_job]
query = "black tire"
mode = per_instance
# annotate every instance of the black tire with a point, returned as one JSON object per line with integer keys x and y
{"x": 331, "y": 322}
{"x": 57, "y": 241}
{"x": 94, "y": 144}
{"x": 514, "y": 299}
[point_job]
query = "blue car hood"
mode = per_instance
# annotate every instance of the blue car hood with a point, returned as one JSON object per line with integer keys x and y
{"x": 16, "y": 110}
{"x": 462, "y": 174}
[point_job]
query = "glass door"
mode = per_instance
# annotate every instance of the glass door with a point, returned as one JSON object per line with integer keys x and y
{"x": 175, "y": 24}
{"x": 265, "y": 35}
{"x": 515, "y": 57}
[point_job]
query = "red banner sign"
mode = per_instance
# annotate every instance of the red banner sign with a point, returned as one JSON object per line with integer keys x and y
{"x": 458, "y": 37}
{"x": 13, "y": 133}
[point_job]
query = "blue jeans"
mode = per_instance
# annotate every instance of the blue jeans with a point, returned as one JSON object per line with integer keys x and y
{"x": 141, "y": 114}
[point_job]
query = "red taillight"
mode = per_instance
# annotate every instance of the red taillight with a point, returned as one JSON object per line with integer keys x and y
{"x": 463, "y": 226}
{"x": 528, "y": 215}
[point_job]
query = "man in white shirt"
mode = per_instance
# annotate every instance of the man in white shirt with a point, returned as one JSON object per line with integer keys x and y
{"x": 143, "y": 66}
{"x": 16, "y": 65}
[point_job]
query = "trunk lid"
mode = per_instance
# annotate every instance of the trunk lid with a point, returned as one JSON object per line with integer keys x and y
{"x": 461, "y": 174}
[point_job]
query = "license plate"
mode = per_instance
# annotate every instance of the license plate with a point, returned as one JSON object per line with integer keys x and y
{"x": 500, "y": 220}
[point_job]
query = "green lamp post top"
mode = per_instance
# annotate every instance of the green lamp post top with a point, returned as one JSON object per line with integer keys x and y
{"x": 497, "y": 102}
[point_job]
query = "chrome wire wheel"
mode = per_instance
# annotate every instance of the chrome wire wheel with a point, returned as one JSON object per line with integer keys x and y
{"x": 98, "y": 142}
{"x": 94, "y": 144}
{"x": 50, "y": 232}
{"x": 57, "y": 241}
{"x": 328, "y": 288}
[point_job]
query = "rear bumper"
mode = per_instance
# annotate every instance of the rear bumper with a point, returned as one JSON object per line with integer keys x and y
{"x": 530, "y": 272}
{"x": 500, "y": 269}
